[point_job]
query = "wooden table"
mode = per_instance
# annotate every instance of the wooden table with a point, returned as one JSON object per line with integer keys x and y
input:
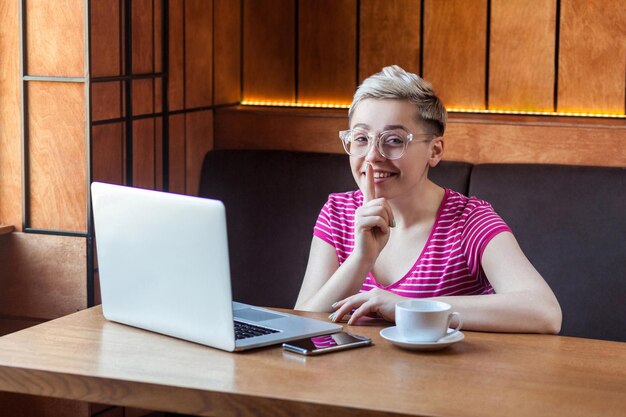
{"x": 84, "y": 357}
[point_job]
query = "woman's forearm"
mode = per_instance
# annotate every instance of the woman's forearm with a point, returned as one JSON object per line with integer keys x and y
{"x": 518, "y": 312}
{"x": 346, "y": 280}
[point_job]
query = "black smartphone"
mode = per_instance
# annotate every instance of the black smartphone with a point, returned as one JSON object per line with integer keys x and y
{"x": 326, "y": 343}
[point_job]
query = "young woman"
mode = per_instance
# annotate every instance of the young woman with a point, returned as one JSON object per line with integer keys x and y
{"x": 402, "y": 236}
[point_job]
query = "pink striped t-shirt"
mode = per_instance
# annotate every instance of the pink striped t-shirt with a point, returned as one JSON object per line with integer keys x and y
{"x": 450, "y": 263}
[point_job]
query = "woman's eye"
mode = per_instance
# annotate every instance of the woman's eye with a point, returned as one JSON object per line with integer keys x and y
{"x": 360, "y": 139}
{"x": 393, "y": 141}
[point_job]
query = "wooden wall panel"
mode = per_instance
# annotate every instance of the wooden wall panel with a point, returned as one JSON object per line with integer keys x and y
{"x": 176, "y": 75}
{"x": 57, "y": 156}
{"x": 522, "y": 53}
{"x": 177, "y": 154}
{"x": 142, "y": 36}
{"x": 389, "y": 34}
{"x": 592, "y": 56}
{"x": 227, "y": 53}
{"x": 198, "y": 141}
{"x": 269, "y": 60}
{"x": 105, "y": 38}
{"x": 492, "y": 141}
{"x": 198, "y": 53}
{"x": 289, "y": 129}
{"x": 158, "y": 94}
{"x": 107, "y": 147}
{"x": 327, "y": 39}
{"x": 143, "y": 59}
{"x": 55, "y": 41}
{"x": 455, "y": 50}
{"x": 43, "y": 275}
{"x": 143, "y": 96}
{"x": 144, "y": 154}
{"x": 158, "y": 153}
{"x": 157, "y": 35}
{"x": 10, "y": 148}
{"x": 106, "y": 100}
{"x": 480, "y": 139}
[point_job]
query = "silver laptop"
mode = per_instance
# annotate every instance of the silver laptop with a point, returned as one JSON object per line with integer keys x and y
{"x": 164, "y": 266}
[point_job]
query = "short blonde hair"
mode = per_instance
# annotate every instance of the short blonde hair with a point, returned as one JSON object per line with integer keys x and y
{"x": 395, "y": 83}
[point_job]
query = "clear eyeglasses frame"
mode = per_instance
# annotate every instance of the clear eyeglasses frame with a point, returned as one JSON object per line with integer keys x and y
{"x": 391, "y": 144}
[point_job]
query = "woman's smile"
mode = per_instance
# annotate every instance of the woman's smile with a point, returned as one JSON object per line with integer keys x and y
{"x": 380, "y": 175}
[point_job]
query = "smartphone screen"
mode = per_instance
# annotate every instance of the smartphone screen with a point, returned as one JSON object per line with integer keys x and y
{"x": 326, "y": 343}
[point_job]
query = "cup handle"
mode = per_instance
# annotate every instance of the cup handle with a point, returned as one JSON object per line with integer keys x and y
{"x": 458, "y": 326}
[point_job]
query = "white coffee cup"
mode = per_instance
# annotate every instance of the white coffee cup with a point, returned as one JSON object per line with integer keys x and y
{"x": 425, "y": 320}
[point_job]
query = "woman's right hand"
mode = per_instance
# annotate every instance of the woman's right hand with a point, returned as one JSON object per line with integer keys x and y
{"x": 372, "y": 221}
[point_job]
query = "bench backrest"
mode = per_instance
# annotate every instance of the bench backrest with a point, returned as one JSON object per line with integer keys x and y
{"x": 571, "y": 223}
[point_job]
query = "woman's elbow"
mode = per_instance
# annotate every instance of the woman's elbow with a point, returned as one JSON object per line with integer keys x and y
{"x": 552, "y": 318}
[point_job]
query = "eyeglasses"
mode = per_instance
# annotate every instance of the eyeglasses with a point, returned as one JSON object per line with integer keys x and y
{"x": 391, "y": 143}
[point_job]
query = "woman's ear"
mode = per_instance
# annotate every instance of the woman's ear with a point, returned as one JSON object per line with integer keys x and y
{"x": 436, "y": 151}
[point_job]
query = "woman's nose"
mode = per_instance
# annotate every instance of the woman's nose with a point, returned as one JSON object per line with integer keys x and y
{"x": 373, "y": 154}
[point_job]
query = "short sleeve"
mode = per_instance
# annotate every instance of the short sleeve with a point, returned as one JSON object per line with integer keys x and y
{"x": 482, "y": 224}
{"x": 323, "y": 229}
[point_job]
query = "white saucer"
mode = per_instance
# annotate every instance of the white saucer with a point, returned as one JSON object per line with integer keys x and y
{"x": 393, "y": 335}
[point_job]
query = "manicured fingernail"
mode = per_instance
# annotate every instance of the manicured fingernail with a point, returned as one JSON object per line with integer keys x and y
{"x": 335, "y": 304}
{"x": 393, "y": 223}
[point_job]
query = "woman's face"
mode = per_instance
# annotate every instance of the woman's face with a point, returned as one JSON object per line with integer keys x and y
{"x": 398, "y": 177}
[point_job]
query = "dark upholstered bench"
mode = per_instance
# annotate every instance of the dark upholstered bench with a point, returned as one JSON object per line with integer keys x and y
{"x": 570, "y": 221}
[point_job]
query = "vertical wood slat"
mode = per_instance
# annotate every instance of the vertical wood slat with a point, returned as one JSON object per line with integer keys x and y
{"x": 142, "y": 36}
{"x": 108, "y": 153}
{"x": 10, "y": 153}
{"x": 56, "y": 149}
{"x": 105, "y": 38}
{"x": 55, "y": 41}
{"x": 143, "y": 96}
{"x": 158, "y": 152}
{"x": 389, "y": 34}
{"x": 144, "y": 154}
{"x": 176, "y": 84}
{"x": 106, "y": 101}
{"x": 592, "y": 56}
{"x": 327, "y": 40}
{"x": 177, "y": 153}
{"x": 157, "y": 35}
{"x": 521, "y": 55}
{"x": 142, "y": 56}
{"x": 227, "y": 53}
{"x": 269, "y": 61}
{"x": 199, "y": 53}
{"x": 455, "y": 50}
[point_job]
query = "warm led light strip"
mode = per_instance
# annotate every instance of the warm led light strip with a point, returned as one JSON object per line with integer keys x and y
{"x": 451, "y": 110}
{"x": 294, "y": 104}
{"x": 538, "y": 113}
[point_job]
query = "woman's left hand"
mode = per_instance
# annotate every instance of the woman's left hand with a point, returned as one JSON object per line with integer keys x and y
{"x": 374, "y": 303}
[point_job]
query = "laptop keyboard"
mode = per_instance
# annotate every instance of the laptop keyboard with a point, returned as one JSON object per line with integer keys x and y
{"x": 245, "y": 330}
